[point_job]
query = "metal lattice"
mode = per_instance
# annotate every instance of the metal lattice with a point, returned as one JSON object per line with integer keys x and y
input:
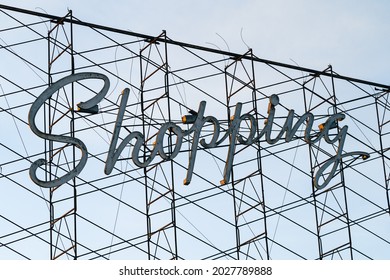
{"x": 228, "y": 198}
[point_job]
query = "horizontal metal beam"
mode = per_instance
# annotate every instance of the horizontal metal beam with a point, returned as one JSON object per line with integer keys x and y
{"x": 192, "y": 46}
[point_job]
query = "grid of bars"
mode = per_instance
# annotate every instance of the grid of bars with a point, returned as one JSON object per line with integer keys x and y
{"x": 269, "y": 209}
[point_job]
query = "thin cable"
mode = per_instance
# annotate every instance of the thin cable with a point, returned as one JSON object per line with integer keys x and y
{"x": 117, "y": 72}
{"x": 242, "y": 39}
{"x": 224, "y": 41}
{"x": 39, "y": 8}
{"x": 13, "y": 119}
{"x": 24, "y": 61}
{"x": 285, "y": 193}
{"x": 289, "y": 176}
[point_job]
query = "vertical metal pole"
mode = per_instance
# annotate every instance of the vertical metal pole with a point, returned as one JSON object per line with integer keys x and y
{"x": 320, "y": 249}
{"x": 232, "y": 172}
{"x": 259, "y": 161}
{"x": 382, "y": 153}
{"x": 148, "y": 225}
{"x": 48, "y": 150}
{"x": 159, "y": 223}
{"x": 58, "y": 221}
{"x": 326, "y": 221}
{"x": 342, "y": 169}
{"x": 73, "y": 135}
{"x": 170, "y": 143}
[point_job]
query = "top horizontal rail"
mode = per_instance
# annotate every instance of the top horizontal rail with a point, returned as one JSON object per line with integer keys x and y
{"x": 192, "y": 46}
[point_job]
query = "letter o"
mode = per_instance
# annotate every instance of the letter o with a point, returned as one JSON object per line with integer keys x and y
{"x": 160, "y": 140}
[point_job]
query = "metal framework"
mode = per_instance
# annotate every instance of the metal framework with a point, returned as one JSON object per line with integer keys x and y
{"x": 269, "y": 208}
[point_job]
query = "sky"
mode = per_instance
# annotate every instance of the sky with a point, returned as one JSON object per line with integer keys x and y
{"x": 349, "y": 35}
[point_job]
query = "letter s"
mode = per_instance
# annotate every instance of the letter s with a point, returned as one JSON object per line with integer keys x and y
{"x": 64, "y": 139}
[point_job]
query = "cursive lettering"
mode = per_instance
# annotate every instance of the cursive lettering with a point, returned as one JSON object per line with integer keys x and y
{"x": 198, "y": 121}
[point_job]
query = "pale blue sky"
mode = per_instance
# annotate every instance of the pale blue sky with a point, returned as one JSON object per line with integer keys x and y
{"x": 352, "y": 36}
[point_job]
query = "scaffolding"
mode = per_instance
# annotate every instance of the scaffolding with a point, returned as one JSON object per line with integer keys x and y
{"x": 217, "y": 175}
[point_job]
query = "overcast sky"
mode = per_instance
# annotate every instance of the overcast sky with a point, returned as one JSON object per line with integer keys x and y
{"x": 350, "y": 35}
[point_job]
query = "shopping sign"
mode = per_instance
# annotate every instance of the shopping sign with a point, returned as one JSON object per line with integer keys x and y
{"x": 196, "y": 120}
